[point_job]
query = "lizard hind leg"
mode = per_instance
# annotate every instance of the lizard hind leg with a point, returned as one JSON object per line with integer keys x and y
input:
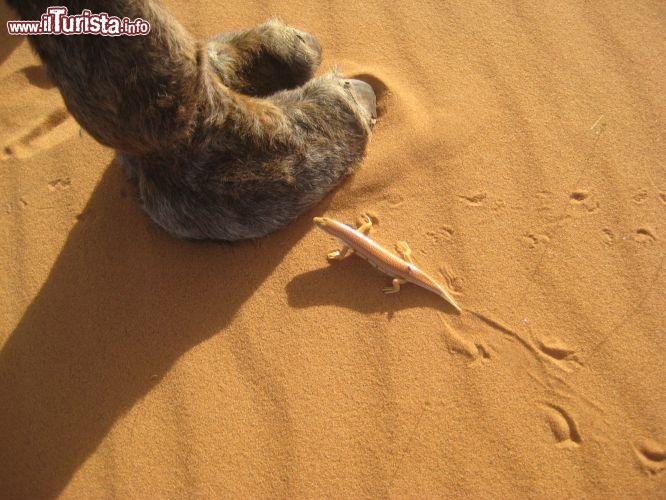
{"x": 397, "y": 283}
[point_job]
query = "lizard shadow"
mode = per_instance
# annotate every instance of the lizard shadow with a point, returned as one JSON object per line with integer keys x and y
{"x": 122, "y": 302}
{"x": 353, "y": 284}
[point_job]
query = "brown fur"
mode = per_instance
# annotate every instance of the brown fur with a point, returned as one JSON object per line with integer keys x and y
{"x": 229, "y": 139}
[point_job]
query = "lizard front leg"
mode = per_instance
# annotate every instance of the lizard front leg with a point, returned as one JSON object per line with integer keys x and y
{"x": 364, "y": 228}
{"x": 341, "y": 253}
{"x": 405, "y": 252}
{"x": 366, "y": 224}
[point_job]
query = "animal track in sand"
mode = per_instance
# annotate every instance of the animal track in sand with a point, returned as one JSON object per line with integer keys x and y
{"x": 533, "y": 240}
{"x": 442, "y": 233}
{"x": 640, "y": 197}
{"x": 662, "y": 197}
{"x": 644, "y": 235}
{"x": 482, "y": 199}
{"x": 579, "y": 196}
{"x": 61, "y": 183}
{"x": 506, "y": 331}
{"x": 474, "y": 199}
{"x": 45, "y": 133}
{"x": 39, "y": 198}
{"x": 455, "y": 283}
{"x": 607, "y": 236}
{"x": 581, "y": 199}
{"x": 477, "y": 352}
{"x": 651, "y": 455}
{"x": 556, "y": 352}
{"x": 483, "y": 351}
{"x": 395, "y": 200}
{"x": 561, "y": 355}
{"x": 543, "y": 234}
{"x": 563, "y": 426}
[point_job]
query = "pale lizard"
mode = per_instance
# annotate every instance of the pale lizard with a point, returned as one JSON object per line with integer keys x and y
{"x": 402, "y": 270}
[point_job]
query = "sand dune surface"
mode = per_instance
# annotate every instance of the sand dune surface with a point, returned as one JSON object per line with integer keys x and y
{"x": 520, "y": 151}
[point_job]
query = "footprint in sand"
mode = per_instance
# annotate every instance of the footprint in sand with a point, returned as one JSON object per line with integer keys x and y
{"x": 563, "y": 426}
{"x": 579, "y": 196}
{"x": 662, "y": 197}
{"x": 482, "y": 199}
{"x": 644, "y": 235}
{"x": 477, "y": 352}
{"x": 442, "y": 233}
{"x": 483, "y": 351}
{"x": 534, "y": 240}
{"x": 54, "y": 128}
{"x": 35, "y": 198}
{"x": 640, "y": 196}
{"x": 474, "y": 199}
{"x": 562, "y": 356}
{"x": 454, "y": 282}
{"x": 61, "y": 183}
{"x": 607, "y": 236}
{"x": 651, "y": 455}
{"x": 582, "y": 200}
{"x": 395, "y": 200}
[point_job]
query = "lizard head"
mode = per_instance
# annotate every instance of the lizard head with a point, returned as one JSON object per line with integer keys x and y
{"x": 321, "y": 222}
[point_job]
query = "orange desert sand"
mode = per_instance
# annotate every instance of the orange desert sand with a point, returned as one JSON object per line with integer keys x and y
{"x": 520, "y": 150}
